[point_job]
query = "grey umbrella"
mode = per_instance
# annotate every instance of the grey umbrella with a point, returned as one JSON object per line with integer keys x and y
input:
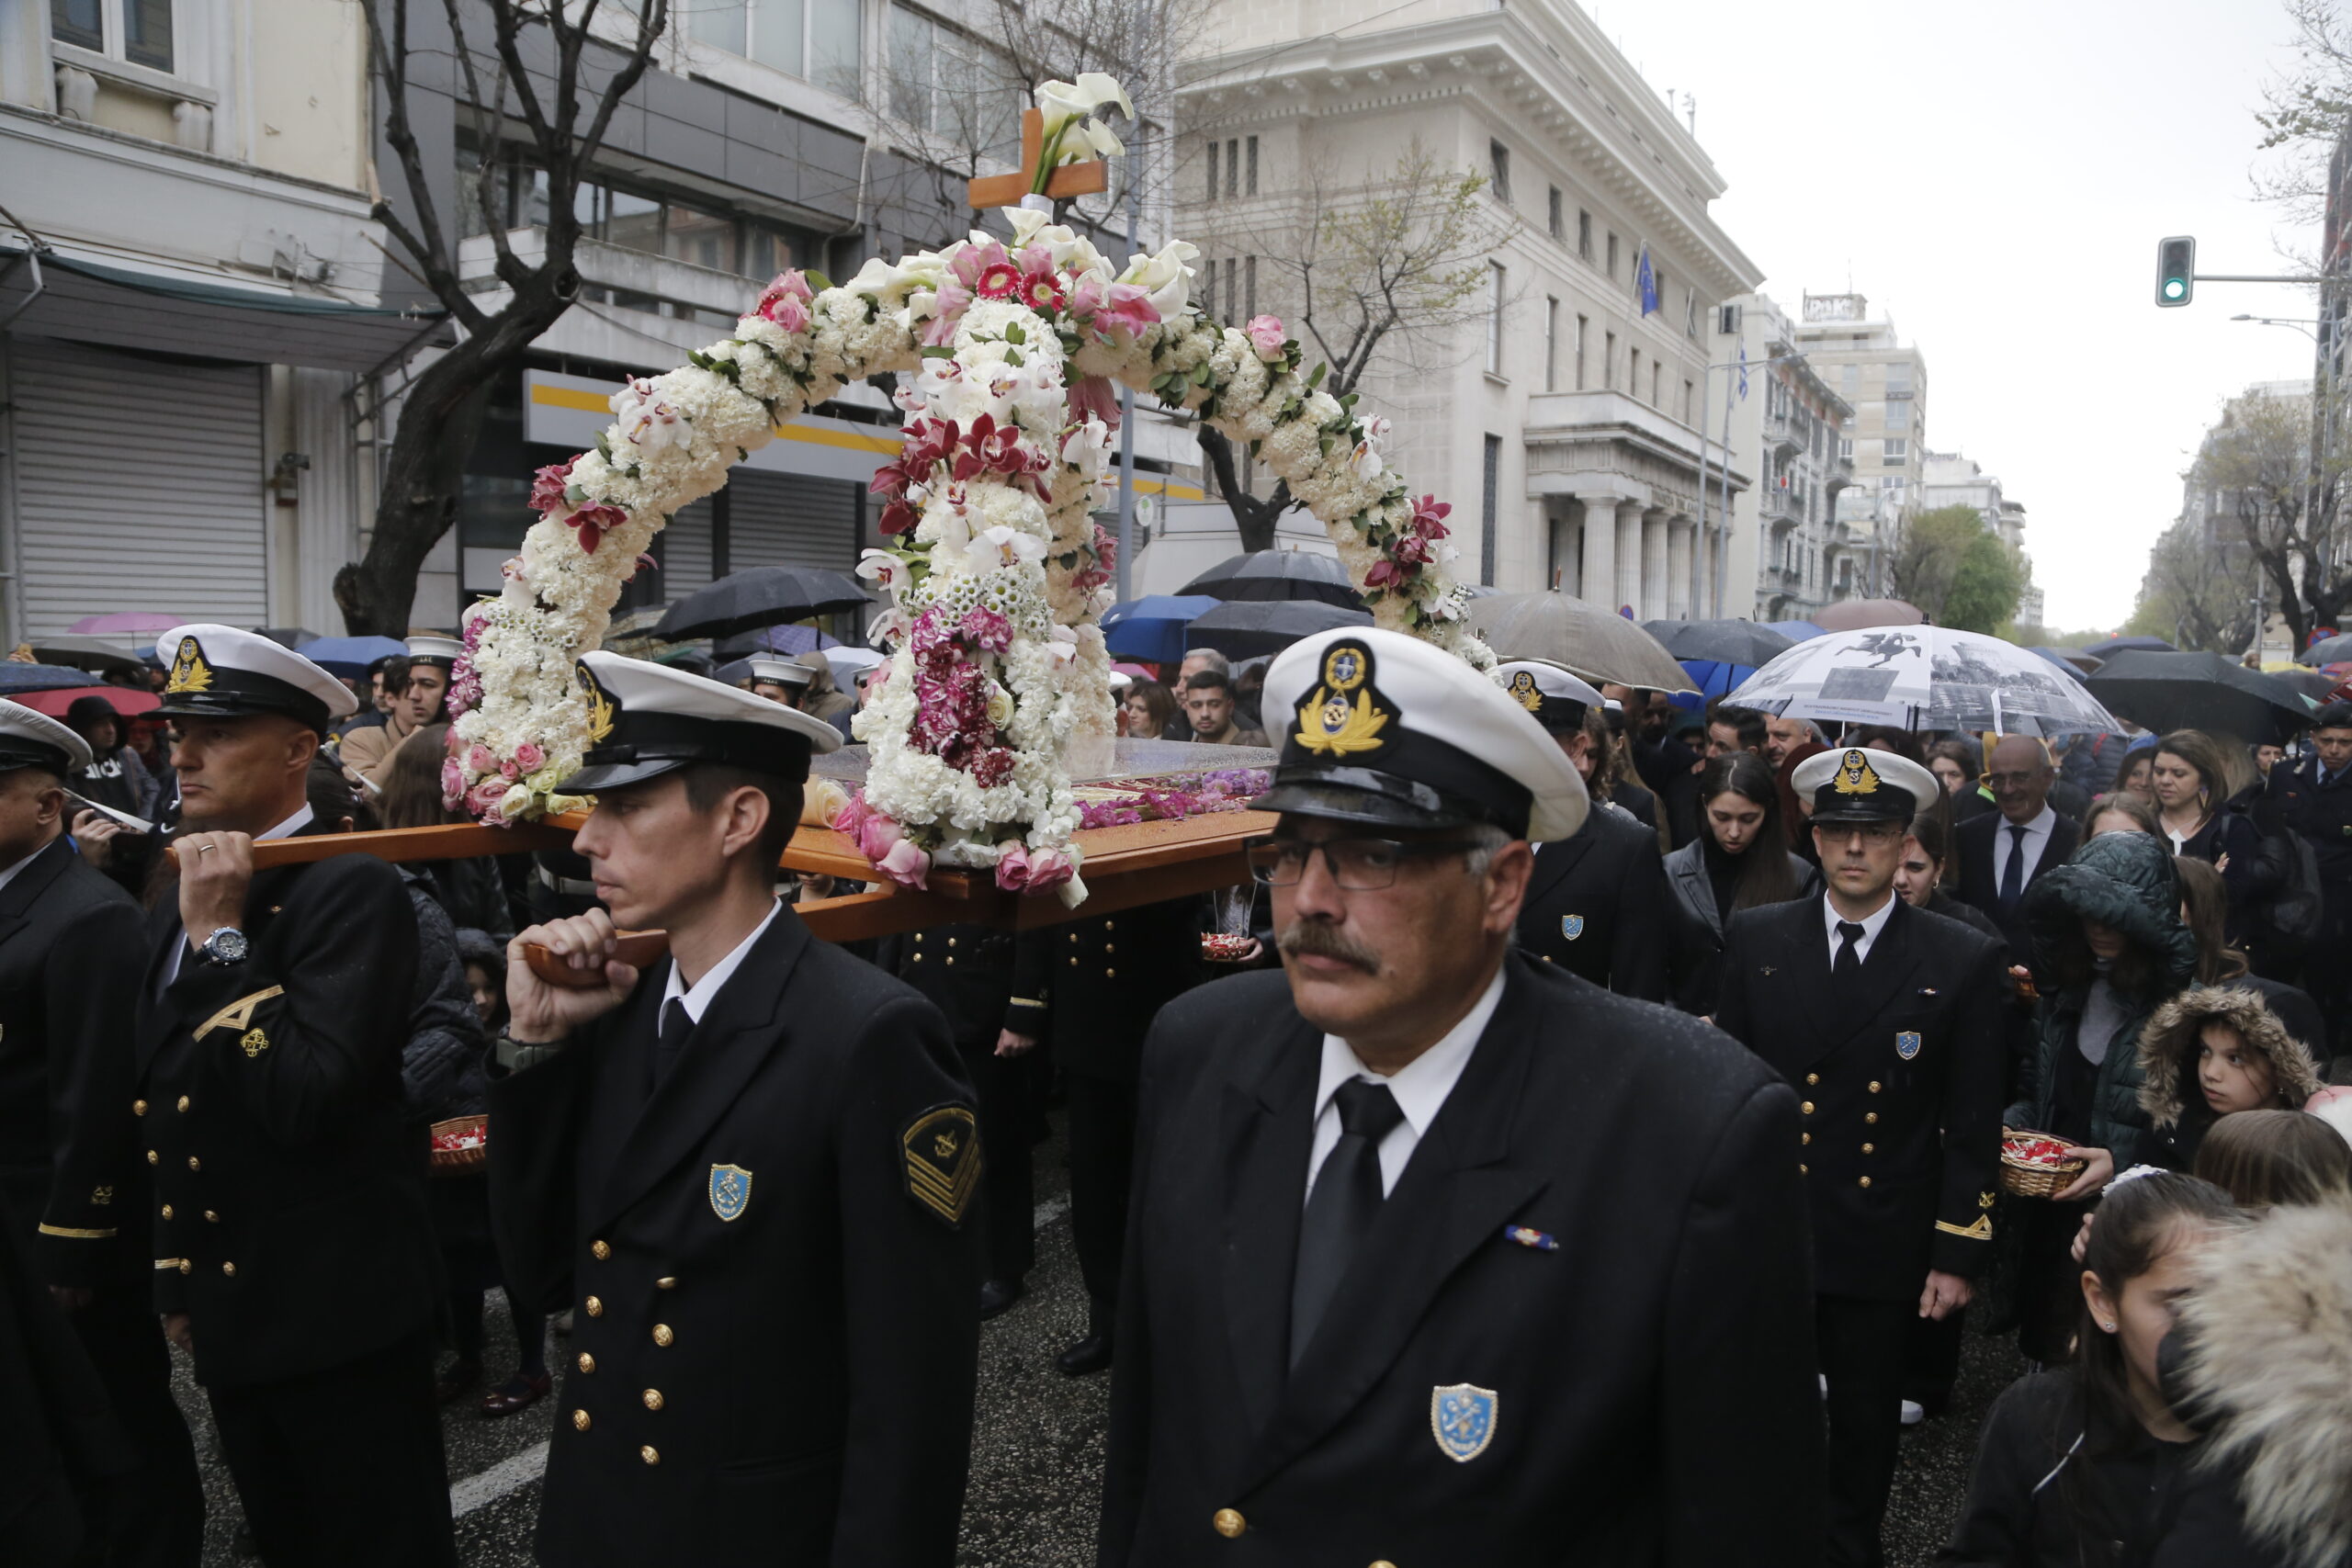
{"x": 1583, "y": 637}
{"x": 84, "y": 652}
{"x": 1277, "y": 574}
{"x": 2330, "y": 651}
{"x": 762, "y": 596}
{"x": 1721, "y": 642}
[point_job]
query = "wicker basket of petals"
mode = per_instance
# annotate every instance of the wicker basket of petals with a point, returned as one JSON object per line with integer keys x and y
{"x": 460, "y": 1146}
{"x": 2036, "y": 1164}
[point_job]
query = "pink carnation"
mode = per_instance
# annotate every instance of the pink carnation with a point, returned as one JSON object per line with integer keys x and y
{"x": 1266, "y": 336}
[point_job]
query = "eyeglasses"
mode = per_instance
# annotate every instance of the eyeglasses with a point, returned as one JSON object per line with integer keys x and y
{"x": 1869, "y": 832}
{"x": 1358, "y": 865}
{"x": 2010, "y": 781}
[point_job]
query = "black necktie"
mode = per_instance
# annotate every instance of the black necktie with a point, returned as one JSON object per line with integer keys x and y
{"x": 1847, "y": 966}
{"x": 2013, "y": 874}
{"x": 1340, "y": 1210}
{"x": 676, "y": 1024}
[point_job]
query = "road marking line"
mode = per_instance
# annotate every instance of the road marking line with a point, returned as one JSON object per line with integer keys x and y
{"x": 507, "y": 1475}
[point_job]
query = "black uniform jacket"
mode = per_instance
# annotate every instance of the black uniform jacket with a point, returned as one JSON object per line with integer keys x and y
{"x": 1982, "y": 844}
{"x": 71, "y": 944}
{"x": 1601, "y": 1236}
{"x": 291, "y": 1221}
{"x": 966, "y": 971}
{"x": 1902, "y": 1086}
{"x": 775, "y": 1324}
{"x": 1598, "y": 905}
{"x": 2323, "y": 814}
{"x": 1105, "y": 977}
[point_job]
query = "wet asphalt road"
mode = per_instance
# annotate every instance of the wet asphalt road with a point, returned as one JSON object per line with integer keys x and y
{"x": 1037, "y": 1449}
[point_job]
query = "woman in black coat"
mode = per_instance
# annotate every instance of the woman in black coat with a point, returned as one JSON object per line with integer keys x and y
{"x": 1739, "y": 860}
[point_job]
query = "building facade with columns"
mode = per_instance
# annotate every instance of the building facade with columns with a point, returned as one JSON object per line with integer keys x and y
{"x": 1866, "y": 362}
{"x": 1557, "y": 407}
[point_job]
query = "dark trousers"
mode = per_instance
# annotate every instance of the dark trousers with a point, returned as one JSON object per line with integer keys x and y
{"x": 1008, "y": 1200}
{"x": 342, "y": 1468}
{"x": 1862, "y": 1348}
{"x": 2327, "y": 976}
{"x": 1101, "y": 1163}
{"x": 152, "y": 1516}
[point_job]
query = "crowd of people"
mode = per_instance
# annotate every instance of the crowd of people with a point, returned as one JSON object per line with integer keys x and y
{"x": 1589, "y": 1145}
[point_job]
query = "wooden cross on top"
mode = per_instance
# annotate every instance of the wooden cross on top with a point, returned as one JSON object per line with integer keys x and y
{"x": 1070, "y": 180}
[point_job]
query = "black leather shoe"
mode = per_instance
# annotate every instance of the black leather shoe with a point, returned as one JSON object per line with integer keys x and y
{"x": 998, "y": 1294}
{"x": 1090, "y": 1355}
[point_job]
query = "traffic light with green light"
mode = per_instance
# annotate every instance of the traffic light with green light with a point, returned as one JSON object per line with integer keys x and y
{"x": 2175, "y": 270}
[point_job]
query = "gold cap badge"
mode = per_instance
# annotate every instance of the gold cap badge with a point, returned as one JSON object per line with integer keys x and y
{"x": 1523, "y": 687}
{"x": 600, "y": 707}
{"x": 1328, "y": 724}
{"x": 1855, "y": 774}
{"x": 190, "y": 671}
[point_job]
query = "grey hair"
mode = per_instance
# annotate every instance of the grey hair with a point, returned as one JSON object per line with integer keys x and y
{"x": 1484, "y": 838}
{"x": 1210, "y": 656}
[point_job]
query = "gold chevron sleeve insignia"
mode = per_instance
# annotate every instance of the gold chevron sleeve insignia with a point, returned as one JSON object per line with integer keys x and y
{"x": 1980, "y": 1229}
{"x": 239, "y": 1013}
{"x": 941, "y": 1150}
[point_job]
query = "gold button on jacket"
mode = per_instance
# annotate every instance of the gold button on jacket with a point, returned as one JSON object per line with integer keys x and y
{"x": 594, "y": 1307}
{"x": 1229, "y": 1523}
{"x": 579, "y": 1421}
{"x": 653, "y": 1399}
{"x": 662, "y": 1334}
{"x": 600, "y": 1250}
{"x": 650, "y": 1454}
{"x": 587, "y": 1362}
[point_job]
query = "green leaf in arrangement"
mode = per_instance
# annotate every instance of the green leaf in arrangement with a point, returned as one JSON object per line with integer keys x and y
{"x": 1013, "y": 333}
{"x": 1315, "y": 379}
{"x": 817, "y": 280}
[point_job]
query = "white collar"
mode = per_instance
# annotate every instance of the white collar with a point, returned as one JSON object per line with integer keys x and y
{"x": 2036, "y": 826}
{"x": 291, "y": 825}
{"x": 1421, "y": 1085}
{"x": 1871, "y": 926}
{"x": 699, "y": 998}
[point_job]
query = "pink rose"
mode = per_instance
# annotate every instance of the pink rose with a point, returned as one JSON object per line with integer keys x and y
{"x": 906, "y": 864}
{"x": 453, "y": 784}
{"x": 877, "y": 836}
{"x": 481, "y": 759}
{"x": 529, "y": 758}
{"x": 1047, "y": 869}
{"x": 1266, "y": 336}
{"x": 486, "y": 794}
{"x": 1011, "y": 866}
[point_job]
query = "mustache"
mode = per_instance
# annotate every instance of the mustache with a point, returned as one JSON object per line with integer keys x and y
{"x": 1319, "y": 939}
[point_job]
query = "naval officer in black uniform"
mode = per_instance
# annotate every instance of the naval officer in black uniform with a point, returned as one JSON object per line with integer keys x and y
{"x": 71, "y": 1185}
{"x": 748, "y": 1170}
{"x": 1598, "y": 902}
{"x": 966, "y": 971}
{"x": 1888, "y": 1020}
{"x": 1439, "y": 1255}
{"x": 293, "y": 1253}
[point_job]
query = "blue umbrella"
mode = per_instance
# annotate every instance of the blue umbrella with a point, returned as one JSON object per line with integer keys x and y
{"x": 2060, "y": 659}
{"x": 352, "y": 655}
{"x": 1152, "y": 627}
{"x": 16, "y": 676}
{"x": 1713, "y": 677}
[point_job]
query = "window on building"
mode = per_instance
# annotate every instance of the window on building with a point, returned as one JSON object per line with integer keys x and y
{"x": 1233, "y": 166}
{"x": 702, "y": 238}
{"x": 1657, "y": 385}
{"x": 1551, "y": 344}
{"x": 1582, "y": 324}
{"x": 1689, "y": 404}
{"x": 1584, "y": 235}
{"x": 1499, "y": 163}
{"x": 1609, "y": 360}
{"x": 1489, "y": 508}
{"x": 1896, "y": 450}
{"x": 1633, "y": 371}
{"x": 1845, "y": 449}
{"x": 1229, "y": 270}
{"x": 1250, "y": 279}
{"x": 140, "y": 29}
{"x": 1898, "y": 415}
{"x": 1849, "y": 380}
{"x": 1613, "y": 259}
{"x": 1212, "y": 167}
{"x": 1252, "y": 169}
{"x": 1690, "y": 314}
{"x": 1554, "y": 221}
{"x": 817, "y": 40}
{"x": 1496, "y": 280}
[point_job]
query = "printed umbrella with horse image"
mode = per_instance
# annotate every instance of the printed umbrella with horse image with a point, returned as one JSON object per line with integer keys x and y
{"x": 1924, "y": 678}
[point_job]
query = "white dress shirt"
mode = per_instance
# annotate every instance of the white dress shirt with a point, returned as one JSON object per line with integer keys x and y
{"x": 2036, "y": 840}
{"x": 699, "y": 996}
{"x": 1871, "y": 925}
{"x": 1421, "y": 1088}
{"x": 286, "y": 830}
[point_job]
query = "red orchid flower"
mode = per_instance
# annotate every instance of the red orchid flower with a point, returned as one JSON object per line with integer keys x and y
{"x": 593, "y": 521}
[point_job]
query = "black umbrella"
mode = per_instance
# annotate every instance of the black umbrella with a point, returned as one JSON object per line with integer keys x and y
{"x": 2199, "y": 691}
{"x": 1248, "y": 628}
{"x": 762, "y": 596}
{"x": 1277, "y": 575}
{"x": 1721, "y": 642}
{"x": 288, "y": 636}
{"x": 2331, "y": 651}
{"x": 92, "y": 653}
{"x": 2116, "y": 645}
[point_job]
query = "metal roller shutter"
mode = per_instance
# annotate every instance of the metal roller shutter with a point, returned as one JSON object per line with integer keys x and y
{"x": 686, "y": 551}
{"x": 790, "y": 520}
{"x": 139, "y": 486}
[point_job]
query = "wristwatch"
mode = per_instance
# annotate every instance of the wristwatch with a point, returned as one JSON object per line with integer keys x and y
{"x": 225, "y": 946}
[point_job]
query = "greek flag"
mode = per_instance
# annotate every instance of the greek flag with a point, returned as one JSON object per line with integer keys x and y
{"x": 1743, "y": 370}
{"x": 1646, "y": 282}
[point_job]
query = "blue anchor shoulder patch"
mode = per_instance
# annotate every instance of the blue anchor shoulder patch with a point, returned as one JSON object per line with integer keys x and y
{"x": 730, "y": 1189}
{"x": 1462, "y": 1419}
{"x": 1907, "y": 1044}
{"x": 1572, "y": 925}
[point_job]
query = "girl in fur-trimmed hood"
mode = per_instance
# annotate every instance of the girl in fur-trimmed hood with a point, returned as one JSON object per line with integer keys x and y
{"x": 2209, "y": 1052}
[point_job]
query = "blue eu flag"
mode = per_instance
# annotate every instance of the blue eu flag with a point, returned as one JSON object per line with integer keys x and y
{"x": 1645, "y": 281}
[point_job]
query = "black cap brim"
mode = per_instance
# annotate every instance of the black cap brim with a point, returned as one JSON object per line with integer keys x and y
{"x": 1883, "y": 810}
{"x": 1372, "y": 798}
{"x": 301, "y": 707}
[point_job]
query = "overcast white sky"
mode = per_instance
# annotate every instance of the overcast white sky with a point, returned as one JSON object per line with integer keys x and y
{"x": 1998, "y": 175}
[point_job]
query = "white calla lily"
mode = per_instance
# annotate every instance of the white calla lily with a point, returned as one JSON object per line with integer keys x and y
{"x": 1097, "y": 136}
{"x": 1164, "y": 278}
